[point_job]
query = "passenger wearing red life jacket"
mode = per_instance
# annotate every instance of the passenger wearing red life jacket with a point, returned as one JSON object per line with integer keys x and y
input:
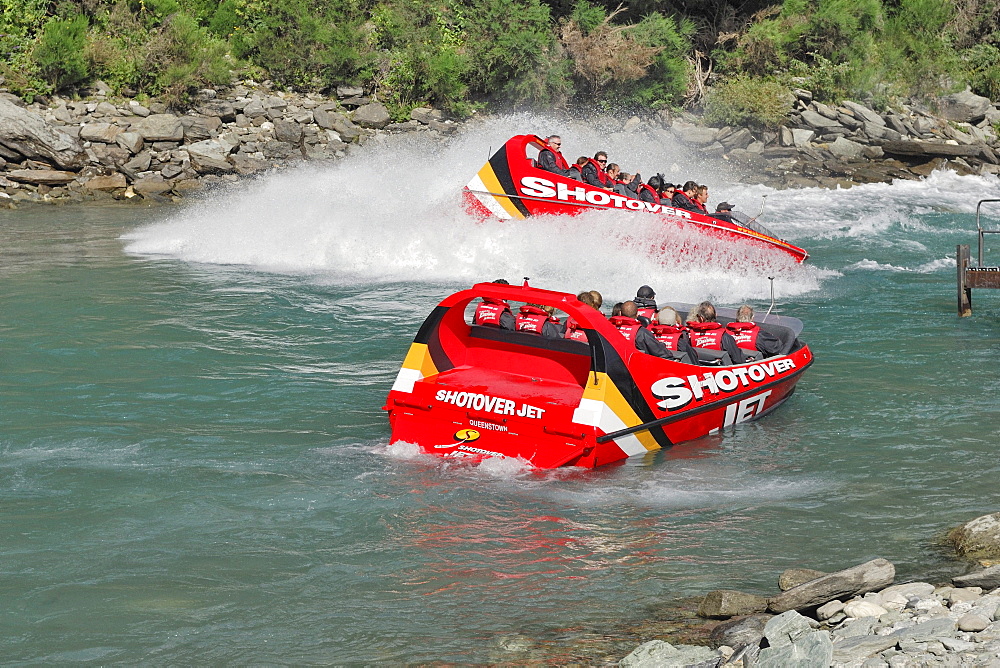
{"x": 701, "y": 199}
{"x": 494, "y": 312}
{"x": 669, "y": 331}
{"x": 750, "y": 337}
{"x": 633, "y": 330}
{"x": 551, "y": 160}
{"x": 706, "y": 332}
{"x": 535, "y": 319}
{"x": 593, "y": 172}
{"x": 685, "y": 198}
{"x": 648, "y": 193}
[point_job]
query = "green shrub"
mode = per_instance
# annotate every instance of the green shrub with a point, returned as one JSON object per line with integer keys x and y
{"x": 749, "y": 101}
{"x": 514, "y": 57}
{"x": 303, "y": 44}
{"x": 982, "y": 70}
{"x": 60, "y": 52}
{"x": 667, "y": 78}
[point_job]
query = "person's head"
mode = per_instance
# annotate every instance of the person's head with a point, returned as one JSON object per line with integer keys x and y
{"x": 616, "y": 309}
{"x": 555, "y": 141}
{"x": 549, "y": 309}
{"x": 668, "y": 316}
{"x": 630, "y": 309}
{"x": 706, "y": 312}
{"x": 744, "y": 313}
{"x": 690, "y": 187}
{"x": 693, "y": 316}
{"x": 669, "y": 188}
{"x": 702, "y": 193}
{"x": 502, "y": 281}
{"x": 655, "y": 182}
{"x": 601, "y": 157}
{"x": 598, "y": 299}
{"x": 587, "y": 299}
{"x": 612, "y": 170}
{"x": 582, "y": 160}
{"x": 724, "y": 206}
{"x": 645, "y": 292}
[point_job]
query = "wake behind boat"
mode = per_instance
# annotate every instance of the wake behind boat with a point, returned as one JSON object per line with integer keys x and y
{"x": 510, "y": 185}
{"x": 475, "y": 391}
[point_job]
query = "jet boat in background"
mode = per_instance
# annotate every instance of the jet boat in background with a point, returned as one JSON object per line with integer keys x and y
{"x": 509, "y": 186}
{"x": 473, "y": 391}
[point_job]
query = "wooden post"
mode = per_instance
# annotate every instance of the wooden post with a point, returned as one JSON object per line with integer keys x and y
{"x": 964, "y": 291}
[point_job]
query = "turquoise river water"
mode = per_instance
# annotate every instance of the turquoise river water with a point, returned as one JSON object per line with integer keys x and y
{"x": 195, "y": 466}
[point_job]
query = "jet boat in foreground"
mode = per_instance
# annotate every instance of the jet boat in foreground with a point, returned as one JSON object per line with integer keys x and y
{"x": 474, "y": 391}
{"x": 509, "y": 186}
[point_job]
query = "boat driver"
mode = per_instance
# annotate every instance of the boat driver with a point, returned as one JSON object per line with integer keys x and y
{"x": 551, "y": 160}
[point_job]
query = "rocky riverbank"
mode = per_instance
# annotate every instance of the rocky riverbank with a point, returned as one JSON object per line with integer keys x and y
{"x": 106, "y": 148}
{"x": 858, "y": 617}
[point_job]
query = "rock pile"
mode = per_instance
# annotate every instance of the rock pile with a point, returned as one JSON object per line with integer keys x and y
{"x": 829, "y": 146}
{"x": 912, "y": 624}
{"x": 101, "y": 148}
{"x": 98, "y": 149}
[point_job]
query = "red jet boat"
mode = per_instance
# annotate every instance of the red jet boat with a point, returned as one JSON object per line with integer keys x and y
{"x": 474, "y": 391}
{"x": 510, "y": 186}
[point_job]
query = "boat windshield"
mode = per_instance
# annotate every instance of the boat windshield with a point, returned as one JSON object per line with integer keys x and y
{"x": 746, "y": 221}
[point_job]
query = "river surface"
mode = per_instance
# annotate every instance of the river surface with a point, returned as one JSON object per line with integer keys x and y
{"x": 195, "y": 466}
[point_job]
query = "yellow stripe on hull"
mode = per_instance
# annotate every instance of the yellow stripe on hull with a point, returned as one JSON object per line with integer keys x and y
{"x": 604, "y": 406}
{"x": 489, "y": 179}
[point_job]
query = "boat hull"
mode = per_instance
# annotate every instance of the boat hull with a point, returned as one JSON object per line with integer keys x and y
{"x": 466, "y": 391}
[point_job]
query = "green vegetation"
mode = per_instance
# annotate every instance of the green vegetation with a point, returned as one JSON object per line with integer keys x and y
{"x": 463, "y": 54}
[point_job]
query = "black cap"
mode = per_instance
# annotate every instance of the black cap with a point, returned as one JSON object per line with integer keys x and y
{"x": 724, "y": 206}
{"x": 645, "y": 292}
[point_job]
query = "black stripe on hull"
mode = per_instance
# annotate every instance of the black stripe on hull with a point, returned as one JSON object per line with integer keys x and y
{"x": 501, "y": 169}
{"x": 619, "y": 374}
{"x": 428, "y": 335}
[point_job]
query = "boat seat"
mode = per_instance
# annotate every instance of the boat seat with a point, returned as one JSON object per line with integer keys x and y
{"x": 530, "y": 339}
{"x": 709, "y": 357}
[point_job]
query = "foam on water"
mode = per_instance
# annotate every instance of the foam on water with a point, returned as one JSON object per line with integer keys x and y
{"x": 391, "y": 212}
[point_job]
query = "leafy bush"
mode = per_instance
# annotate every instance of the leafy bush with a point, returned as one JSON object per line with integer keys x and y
{"x": 667, "y": 77}
{"x": 982, "y": 63}
{"x": 749, "y": 101}
{"x": 303, "y": 44}
{"x": 60, "y": 52}
{"x": 514, "y": 56}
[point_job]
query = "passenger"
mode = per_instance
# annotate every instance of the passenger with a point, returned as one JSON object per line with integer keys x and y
{"x": 685, "y": 198}
{"x": 554, "y": 328}
{"x": 671, "y": 333}
{"x": 633, "y": 331}
{"x": 534, "y": 318}
{"x": 724, "y": 211}
{"x": 645, "y": 299}
{"x": 495, "y": 312}
{"x": 707, "y": 332}
{"x": 650, "y": 191}
{"x": 598, "y": 299}
{"x": 551, "y": 160}
{"x": 578, "y": 167}
{"x": 573, "y": 330}
{"x": 593, "y": 172}
{"x": 758, "y": 343}
{"x": 628, "y": 185}
{"x": 667, "y": 194}
{"x": 701, "y": 198}
{"x": 616, "y": 310}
